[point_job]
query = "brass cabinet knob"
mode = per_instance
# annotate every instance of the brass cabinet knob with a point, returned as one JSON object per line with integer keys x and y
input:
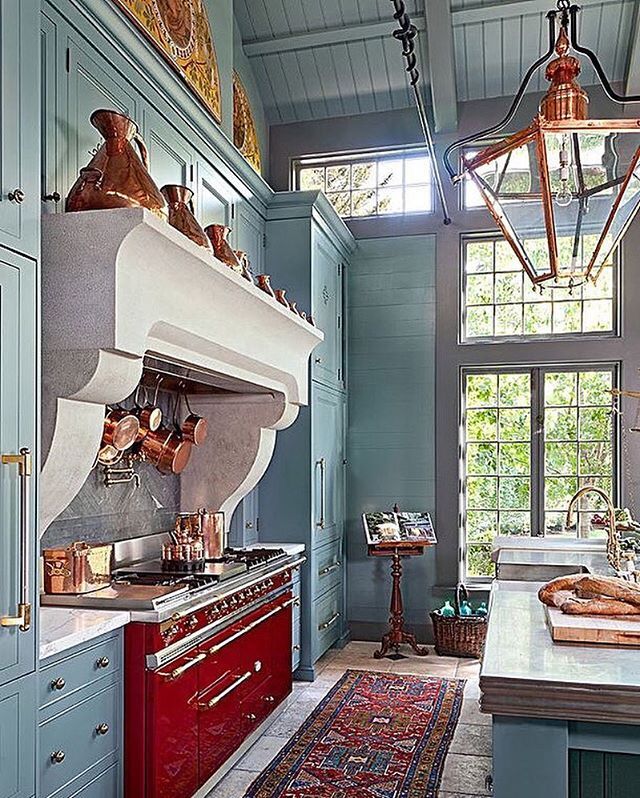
{"x": 318, "y": 360}
{"x": 58, "y": 684}
{"x": 57, "y": 757}
{"x": 248, "y": 525}
{"x": 17, "y": 195}
{"x": 54, "y": 196}
{"x": 103, "y": 662}
{"x": 102, "y": 728}
{"x": 296, "y": 647}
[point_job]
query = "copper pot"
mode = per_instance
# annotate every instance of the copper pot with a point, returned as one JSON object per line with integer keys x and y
{"x": 311, "y": 320}
{"x": 78, "y": 568}
{"x": 218, "y": 235}
{"x": 121, "y": 428}
{"x": 154, "y": 443}
{"x": 246, "y": 265}
{"x": 194, "y": 428}
{"x": 182, "y": 215}
{"x": 175, "y": 455}
{"x": 149, "y": 415}
{"x": 264, "y": 283}
{"x": 280, "y": 296}
{"x": 213, "y": 534}
{"x": 116, "y": 177}
{"x": 293, "y": 307}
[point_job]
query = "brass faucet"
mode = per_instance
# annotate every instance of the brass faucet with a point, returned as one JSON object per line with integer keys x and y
{"x": 613, "y": 541}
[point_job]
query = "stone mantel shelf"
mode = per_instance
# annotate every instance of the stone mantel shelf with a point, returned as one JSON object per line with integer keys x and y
{"x": 120, "y": 284}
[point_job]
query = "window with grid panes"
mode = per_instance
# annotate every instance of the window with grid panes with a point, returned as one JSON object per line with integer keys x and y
{"x": 372, "y": 183}
{"x": 499, "y": 300}
{"x": 531, "y": 438}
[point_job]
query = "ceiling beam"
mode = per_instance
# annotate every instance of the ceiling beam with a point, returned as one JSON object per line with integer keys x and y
{"x": 467, "y": 15}
{"x": 441, "y": 61}
{"x": 632, "y": 80}
{"x": 325, "y": 37}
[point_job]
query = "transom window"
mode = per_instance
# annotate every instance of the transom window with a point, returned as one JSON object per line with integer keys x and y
{"x": 370, "y": 183}
{"x": 531, "y": 438}
{"x": 499, "y": 300}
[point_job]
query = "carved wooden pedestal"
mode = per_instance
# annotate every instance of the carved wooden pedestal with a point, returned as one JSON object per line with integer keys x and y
{"x": 397, "y": 634}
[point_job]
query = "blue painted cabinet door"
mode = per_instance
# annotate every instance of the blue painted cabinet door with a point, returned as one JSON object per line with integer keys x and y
{"x": 170, "y": 160}
{"x": 327, "y": 300}
{"x": 18, "y": 723}
{"x": 19, "y": 132}
{"x": 327, "y": 495}
{"x": 90, "y": 85}
{"x": 18, "y": 380}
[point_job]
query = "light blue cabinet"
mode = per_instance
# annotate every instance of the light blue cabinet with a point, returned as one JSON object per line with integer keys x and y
{"x": 17, "y": 738}
{"x": 171, "y": 161}
{"x": 19, "y": 131}
{"x": 81, "y": 721}
{"x": 302, "y": 495}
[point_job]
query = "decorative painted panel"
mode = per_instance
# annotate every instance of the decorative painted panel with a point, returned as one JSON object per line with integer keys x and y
{"x": 180, "y": 30}
{"x": 245, "y": 135}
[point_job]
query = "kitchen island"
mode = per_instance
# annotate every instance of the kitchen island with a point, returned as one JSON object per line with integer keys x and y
{"x": 566, "y": 718}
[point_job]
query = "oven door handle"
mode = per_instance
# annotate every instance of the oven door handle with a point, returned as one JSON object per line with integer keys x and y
{"x": 177, "y": 672}
{"x": 249, "y": 627}
{"x": 233, "y": 686}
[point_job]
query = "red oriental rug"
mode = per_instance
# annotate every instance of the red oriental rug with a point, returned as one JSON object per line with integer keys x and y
{"x": 375, "y": 735}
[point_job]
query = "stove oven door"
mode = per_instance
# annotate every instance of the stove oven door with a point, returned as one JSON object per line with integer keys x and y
{"x": 172, "y": 729}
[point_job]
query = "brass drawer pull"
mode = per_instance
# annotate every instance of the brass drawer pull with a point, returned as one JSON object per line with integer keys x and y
{"x": 23, "y": 460}
{"x": 58, "y": 684}
{"x": 322, "y": 464}
{"x": 103, "y": 662}
{"x": 176, "y": 672}
{"x": 249, "y": 627}
{"x": 329, "y": 568}
{"x": 330, "y": 622}
{"x": 57, "y": 757}
{"x": 102, "y": 729}
{"x": 233, "y": 686}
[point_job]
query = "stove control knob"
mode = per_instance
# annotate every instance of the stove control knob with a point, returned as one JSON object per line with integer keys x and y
{"x": 224, "y": 606}
{"x": 233, "y": 601}
{"x": 193, "y": 621}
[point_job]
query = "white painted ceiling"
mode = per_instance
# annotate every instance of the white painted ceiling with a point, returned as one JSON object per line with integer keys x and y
{"x": 323, "y": 58}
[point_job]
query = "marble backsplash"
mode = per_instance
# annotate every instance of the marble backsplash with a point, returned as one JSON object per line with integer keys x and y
{"x": 101, "y": 514}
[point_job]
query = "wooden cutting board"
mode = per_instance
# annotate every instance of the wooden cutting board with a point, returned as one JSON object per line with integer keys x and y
{"x": 613, "y": 631}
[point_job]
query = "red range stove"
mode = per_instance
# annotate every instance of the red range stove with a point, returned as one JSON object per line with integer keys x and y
{"x": 207, "y": 660}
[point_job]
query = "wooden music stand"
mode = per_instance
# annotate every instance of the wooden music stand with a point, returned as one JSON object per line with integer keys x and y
{"x": 397, "y": 634}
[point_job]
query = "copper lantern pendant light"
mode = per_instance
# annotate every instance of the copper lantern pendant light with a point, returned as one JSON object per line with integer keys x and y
{"x": 564, "y": 190}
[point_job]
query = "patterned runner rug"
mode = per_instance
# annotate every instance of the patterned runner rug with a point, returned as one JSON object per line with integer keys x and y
{"x": 375, "y": 735}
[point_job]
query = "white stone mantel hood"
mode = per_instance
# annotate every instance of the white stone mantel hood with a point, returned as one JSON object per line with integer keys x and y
{"x": 120, "y": 284}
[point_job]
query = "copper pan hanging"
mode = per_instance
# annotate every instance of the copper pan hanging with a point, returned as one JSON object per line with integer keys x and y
{"x": 194, "y": 428}
{"x": 121, "y": 428}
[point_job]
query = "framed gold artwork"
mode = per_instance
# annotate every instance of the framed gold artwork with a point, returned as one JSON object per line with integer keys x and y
{"x": 180, "y": 30}
{"x": 245, "y": 135}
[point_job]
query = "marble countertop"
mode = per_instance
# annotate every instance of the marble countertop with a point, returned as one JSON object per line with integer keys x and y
{"x": 524, "y": 673}
{"x": 290, "y": 548}
{"x": 62, "y": 628}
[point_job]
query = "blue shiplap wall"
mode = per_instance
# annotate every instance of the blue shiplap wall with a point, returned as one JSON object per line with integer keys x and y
{"x": 391, "y": 415}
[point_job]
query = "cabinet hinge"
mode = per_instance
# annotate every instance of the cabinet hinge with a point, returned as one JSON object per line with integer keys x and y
{"x": 339, "y": 322}
{"x": 67, "y": 60}
{"x": 264, "y": 240}
{"x": 257, "y": 523}
{"x": 233, "y": 211}
{"x": 339, "y": 269}
{"x": 339, "y": 374}
{"x": 191, "y": 172}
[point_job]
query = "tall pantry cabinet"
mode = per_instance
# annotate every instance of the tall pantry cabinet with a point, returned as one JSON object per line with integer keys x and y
{"x": 19, "y": 252}
{"x": 302, "y": 495}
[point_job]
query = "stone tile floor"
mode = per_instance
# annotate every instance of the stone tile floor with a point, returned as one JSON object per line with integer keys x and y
{"x": 468, "y": 762}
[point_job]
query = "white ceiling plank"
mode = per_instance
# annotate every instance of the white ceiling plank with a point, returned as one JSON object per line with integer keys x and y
{"x": 325, "y": 37}
{"x": 632, "y": 79}
{"x": 511, "y": 8}
{"x": 441, "y": 63}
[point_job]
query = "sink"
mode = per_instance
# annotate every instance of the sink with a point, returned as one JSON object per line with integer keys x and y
{"x": 537, "y": 572}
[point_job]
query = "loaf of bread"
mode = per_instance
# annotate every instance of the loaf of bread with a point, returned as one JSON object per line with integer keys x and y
{"x": 584, "y": 594}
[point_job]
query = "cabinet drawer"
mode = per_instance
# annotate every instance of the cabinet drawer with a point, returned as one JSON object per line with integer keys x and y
{"x": 77, "y": 669}
{"x": 78, "y": 738}
{"x": 327, "y": 614}
{"x": 106, "y": 785}
{"x": 327, "y": 567}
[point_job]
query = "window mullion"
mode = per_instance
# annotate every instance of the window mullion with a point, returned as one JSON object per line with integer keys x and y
{"x": 537, "y": 452}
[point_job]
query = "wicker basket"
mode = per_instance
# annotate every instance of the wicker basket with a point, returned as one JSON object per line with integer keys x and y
{"x": 460, "y": 635}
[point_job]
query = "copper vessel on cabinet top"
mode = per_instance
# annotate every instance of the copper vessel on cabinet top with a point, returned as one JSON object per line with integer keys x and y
{"x": 219, "y": 235}
{"x": 116, "y": 177}
{"x": 181, "y": 214}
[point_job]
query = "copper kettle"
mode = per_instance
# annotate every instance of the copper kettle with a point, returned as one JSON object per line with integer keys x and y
{"x": 116, "y": 177}
{"x": 181, "y": 214}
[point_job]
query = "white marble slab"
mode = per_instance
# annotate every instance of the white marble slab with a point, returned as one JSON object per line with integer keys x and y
{"x": 525, "y": 673}
{"x": 62, "y": 628}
